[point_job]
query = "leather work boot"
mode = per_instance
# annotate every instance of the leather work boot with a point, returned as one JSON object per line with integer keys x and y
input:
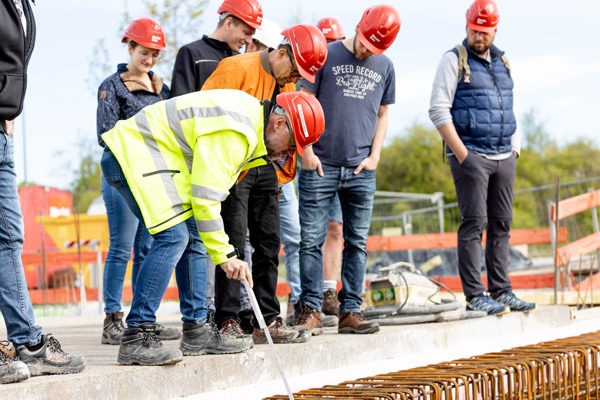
{"x": 331, "y": 305}
{"x": 290, "y": 312}
{"x": 202, "y": 339}
{"x": 112, "y": 330}
{"x": 355, "y": 322}
{"x": 141, "y": 346}
{"x": 281, "y": 333}
{"x": 309, "y": 319}
{"x": 330, "y": 308}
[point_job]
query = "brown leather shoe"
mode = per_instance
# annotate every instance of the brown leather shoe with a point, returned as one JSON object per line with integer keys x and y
{"x": 355, "y": 322}
{"x": 309, "y": 319}
{"x": 331, "y": 306}
{"x": 290, "y": 314}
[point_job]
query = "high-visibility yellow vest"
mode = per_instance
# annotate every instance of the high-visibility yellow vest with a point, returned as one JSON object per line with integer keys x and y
{"x": 181, "y": 156}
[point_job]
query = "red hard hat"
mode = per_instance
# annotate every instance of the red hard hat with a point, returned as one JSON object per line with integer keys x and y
{"x": 309, "y": 47}
{"x": 306, "y": 115}
{"x": 483, "y": 16}
{"x": 331, "y": 28}
{"x": 146, "y": 32}
{"x": 378, "y": 28}
{"x": 249, "y": 11}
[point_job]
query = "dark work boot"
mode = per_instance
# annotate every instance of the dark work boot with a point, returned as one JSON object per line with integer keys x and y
{"x": 112, "y": 330}
{"x": 167, "y": 332}
{"x": 206, "y": 339}
{"x": 140, "y": 346}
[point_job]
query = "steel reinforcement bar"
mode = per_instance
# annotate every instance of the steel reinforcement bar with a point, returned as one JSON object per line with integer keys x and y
{"x": 561, "y": 369}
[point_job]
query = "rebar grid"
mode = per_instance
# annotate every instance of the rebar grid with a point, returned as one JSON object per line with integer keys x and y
{"x": 565, "y": 369}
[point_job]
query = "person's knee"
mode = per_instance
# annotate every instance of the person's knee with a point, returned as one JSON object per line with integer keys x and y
{"x": 335, "y": 231}
{"x": 499, "y": 225}
{"x": 178, "y": 235}
{"x": 471, "y": 228}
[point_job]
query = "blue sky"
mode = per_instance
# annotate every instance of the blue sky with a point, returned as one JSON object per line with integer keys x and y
{"x": 552, "y": 46}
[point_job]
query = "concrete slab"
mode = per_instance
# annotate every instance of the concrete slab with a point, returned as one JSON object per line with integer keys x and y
{"x": 211, "y": 377}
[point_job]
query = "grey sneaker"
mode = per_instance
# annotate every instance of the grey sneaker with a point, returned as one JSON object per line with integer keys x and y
{"x": 112, "y": 330}
{"x": 50, "y": 359}
{"x": 206, "y": 339}
{"x": 11, "y": 369}
{"x": 281, "y": 333}
{"x": 140, "y": 346}
{"x": 487, "y": 304}
{"x": 514, "y": 303}
{"x": 166, "y": 332}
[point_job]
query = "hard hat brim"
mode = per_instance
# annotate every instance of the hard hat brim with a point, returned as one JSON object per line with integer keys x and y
{"x": 305, "y": 74}
{"x": 479, "y": 28}
{"x": 363, "y": 40}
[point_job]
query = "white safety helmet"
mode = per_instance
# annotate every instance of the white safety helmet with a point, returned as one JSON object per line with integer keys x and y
{"x": 269, "y": 33}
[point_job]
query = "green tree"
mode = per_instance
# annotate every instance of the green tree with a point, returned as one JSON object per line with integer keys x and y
{"x": 87, "y": 184}
{"x": 535, "y": 136}
{"x": 414, "y": 163}
{"x": 179, "y": 19}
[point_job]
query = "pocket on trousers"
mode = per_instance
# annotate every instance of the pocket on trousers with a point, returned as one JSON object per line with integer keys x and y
{"x": 111, "y": 169}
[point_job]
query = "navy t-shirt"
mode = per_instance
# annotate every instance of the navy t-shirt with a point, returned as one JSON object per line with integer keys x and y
{"x": 350, "y": 91}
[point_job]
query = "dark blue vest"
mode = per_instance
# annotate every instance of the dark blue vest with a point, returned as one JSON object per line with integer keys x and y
{"x": 482, "y": 111}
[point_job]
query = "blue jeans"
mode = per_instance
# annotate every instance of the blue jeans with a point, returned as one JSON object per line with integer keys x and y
{"x": 290, "y": 237}
{"x": 335, "y": 210}
{"x": 15, "y": 304}
{"x": 180, "y": 244}
{"x": 356, "y": 197}
{"x": 125, "y": 232}
{"x": 210, "y": 285}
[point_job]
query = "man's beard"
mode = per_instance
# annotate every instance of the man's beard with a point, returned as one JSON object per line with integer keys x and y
{"x": 270, "y": 152}
{"x": 480, "y": 48}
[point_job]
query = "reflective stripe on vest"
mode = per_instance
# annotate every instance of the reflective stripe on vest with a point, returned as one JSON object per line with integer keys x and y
{"x": 161, "y": 164}
{"x": 174, "y": 118}
{"x": 162, "y": 139}
{"x": 210, "y": 226}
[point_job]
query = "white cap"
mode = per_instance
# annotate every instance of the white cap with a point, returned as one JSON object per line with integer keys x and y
{"x": 269, "y": 33}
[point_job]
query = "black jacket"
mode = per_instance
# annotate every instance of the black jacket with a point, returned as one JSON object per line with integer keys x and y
{"x": 195, "y": 62}
{"x": 15, "y": 51}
